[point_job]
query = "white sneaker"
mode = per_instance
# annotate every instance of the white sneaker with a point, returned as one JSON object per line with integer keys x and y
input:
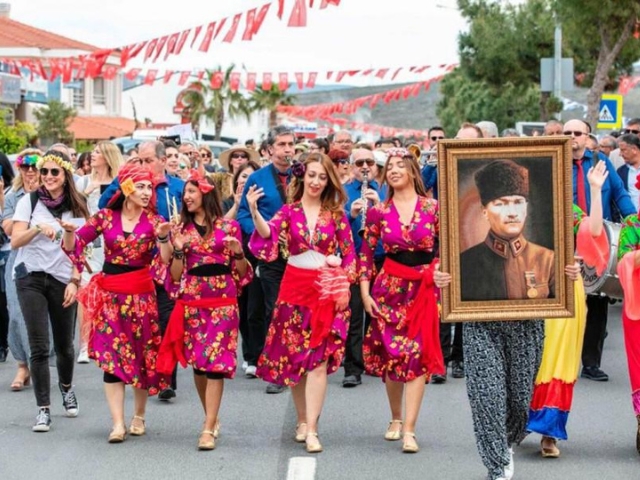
{"x": 250, "y": 372}
{"x": 509, "y": 469}
{"x": 244, "y": 366}
{"x": 83, "y": 356}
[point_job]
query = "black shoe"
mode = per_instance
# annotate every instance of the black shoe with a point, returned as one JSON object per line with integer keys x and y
{"x": 594, "y": 373}
{"x": 438, "y": 379}
{"x": 3, "y": 354}
{"x": 351, "y": 381}
{"x": 167, "y": 394}
{"x": 43, "y": 421}
{"x": 457, "y": 369}
{"x": 69, "y": 401}
{"x": 273, "y": 388}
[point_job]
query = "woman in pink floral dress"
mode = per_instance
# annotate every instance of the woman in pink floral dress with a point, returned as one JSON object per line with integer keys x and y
{"x": 207, "y": 273}
{"x": 402, "y": 344}
{"x": 120, "y": 303}
{"x": 306, "y": 338}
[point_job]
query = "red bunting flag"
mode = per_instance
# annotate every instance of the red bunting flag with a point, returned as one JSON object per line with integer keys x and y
{"x": 150, "y": 77}
{"x": 220, "y": 26}
{"x": 151, "y": 47}
{"x": 195, "y": 35}
{"x": 251, "y": 81}
{"x": 298, "y": 16}
{"x": 181, "y": 42}
{"x": 280, "y": 8}
{"x": 340, "y": 75}
{"x": 254, "y": 21}
{"x": 206, "y": 41}
{"x": 311, "y": 81}
{"x": 326, "y": 3}
{"x": 161, "y": 43}
{"x": 267, "y": 81}
{"x": 132, "y": 74}
{"x": 283, "y": 82}
{"x": 395, "y": 74}
{"x": 184, "y": 76}
{"x": 228, "y": 38}
{"x": 382, "y": 72}
{"x": 167, "y": 76}
{"x": 131, "y": 52}
{"x": 171, "y": 45}
{"x": 234, "y": 81}
{"x": 299, "y": 80}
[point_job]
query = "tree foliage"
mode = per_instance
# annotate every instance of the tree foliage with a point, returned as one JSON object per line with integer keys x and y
{"x": 14, "y": 138}
{"x": 499, "y": 72}
{"x": 215, "y": 105}
{"x": 54, "y": 121}
{"x": 270, "y": 100}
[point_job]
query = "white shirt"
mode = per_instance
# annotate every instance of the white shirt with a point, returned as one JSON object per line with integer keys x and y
{"x": 634, "y": 193}
{"x": 42, "y": 254}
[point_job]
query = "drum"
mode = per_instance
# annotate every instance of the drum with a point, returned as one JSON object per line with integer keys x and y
{"x": 608, "y": 284}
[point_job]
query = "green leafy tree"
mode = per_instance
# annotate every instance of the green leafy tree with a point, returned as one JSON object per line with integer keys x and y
{"x": 54, "y": 121}
{"x": 270, "y": 100}
{"x": 215, "y": 105}
{"x": 599, "y": 37}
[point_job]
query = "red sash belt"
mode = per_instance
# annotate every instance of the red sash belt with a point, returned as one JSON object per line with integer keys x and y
{"x": 300, "y": 287}
{"x": 94, "y": 295}
{"x": 171, "y": 349}
{"x": 423, "y": 315}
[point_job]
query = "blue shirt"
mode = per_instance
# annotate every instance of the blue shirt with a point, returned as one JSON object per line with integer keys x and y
{"x": 268, "y": 205}
{"x": 354, "y": 192}
{"x": 174, "y": 184}
{"x": 430, "y": 179}
{"x": 613, "y": 191}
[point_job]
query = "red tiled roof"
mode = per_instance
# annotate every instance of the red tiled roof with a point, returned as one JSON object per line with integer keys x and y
{"x": 14, "y": 34}
{"x": 101, "y": 128}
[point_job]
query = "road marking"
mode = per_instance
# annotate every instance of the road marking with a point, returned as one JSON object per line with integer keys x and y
{"x": 301, "y": 468}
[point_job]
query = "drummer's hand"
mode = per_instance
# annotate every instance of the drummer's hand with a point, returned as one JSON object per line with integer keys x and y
{"x": 441, "y": 279}
{"x": 598, "y": 175}
{"x": 572, "y": 271}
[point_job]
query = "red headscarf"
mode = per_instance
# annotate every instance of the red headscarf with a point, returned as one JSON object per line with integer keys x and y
{"x": 195, "y": 177}
{"x": 128, "y": 176}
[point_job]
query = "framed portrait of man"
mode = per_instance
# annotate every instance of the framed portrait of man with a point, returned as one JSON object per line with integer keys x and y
{"x": 506, "y": 228}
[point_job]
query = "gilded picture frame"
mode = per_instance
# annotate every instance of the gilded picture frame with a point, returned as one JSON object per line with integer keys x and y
{"x": 498, "y": 273}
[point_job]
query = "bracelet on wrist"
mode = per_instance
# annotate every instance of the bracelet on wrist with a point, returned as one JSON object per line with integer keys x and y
{"x": 38, "y": 229}
{"x": 164, "y": 239}
{"x": 238, "y": 256}
{"x": 75, "y": 281}
{"x": 178, "y": 254}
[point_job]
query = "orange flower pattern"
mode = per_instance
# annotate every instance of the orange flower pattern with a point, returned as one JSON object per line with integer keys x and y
{"x": 287, "y": 357}
{"x": 387, "y": 350}
{"x": 210, "y": 334}
{"x": 125, "y": 339}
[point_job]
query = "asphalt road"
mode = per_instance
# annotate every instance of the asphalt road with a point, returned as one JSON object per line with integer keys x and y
{"x": 257, "y": 434}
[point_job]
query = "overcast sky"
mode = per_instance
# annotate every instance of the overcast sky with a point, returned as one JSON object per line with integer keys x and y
{"x": 358, "y": 34}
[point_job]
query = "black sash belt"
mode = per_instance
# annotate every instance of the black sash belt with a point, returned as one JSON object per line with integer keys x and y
{"x": 210, "y": 270}
{"x": 411, "y": 259}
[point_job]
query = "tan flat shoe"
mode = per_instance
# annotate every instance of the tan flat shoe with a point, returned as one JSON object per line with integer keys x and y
{"x": 300, "y": 437}
{"x": 205, "y": 444}
{"x": 118, "y": 434}
{"x": 393, "y": 435}
{"x": 137, "y": 431}
{"x": 315, "y": 447}
{"x": 409, "y": 446}
{"x": 549, "y": 451}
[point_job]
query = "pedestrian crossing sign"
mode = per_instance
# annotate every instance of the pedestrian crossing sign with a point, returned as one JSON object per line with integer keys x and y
{"x": 610, "y": 112}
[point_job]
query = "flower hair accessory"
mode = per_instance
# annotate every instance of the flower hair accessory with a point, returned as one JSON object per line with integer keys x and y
{"x": 54, "y": 158}
{"x": 203, "y": 185}
{"x": 399, "y": 152}
{"x": 638, "y": 182}
{"x": 30, "y": 159}
{"x": 298, "y": 169}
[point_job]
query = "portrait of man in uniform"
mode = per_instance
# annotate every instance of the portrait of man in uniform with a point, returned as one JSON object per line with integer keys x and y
{"x": 505, "y": 265}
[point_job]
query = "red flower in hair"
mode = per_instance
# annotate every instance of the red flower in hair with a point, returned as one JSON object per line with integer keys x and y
{"x": 203, "y": 185}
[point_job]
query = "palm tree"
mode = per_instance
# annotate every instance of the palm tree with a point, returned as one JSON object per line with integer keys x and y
{"x": 215, "y": 104}
{"x": 270, "y": 100}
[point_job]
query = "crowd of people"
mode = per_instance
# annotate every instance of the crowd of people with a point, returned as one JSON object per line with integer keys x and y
{"x": 318, "y": 256}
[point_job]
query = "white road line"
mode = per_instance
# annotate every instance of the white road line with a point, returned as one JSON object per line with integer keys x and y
{"x": 301, "y": 468}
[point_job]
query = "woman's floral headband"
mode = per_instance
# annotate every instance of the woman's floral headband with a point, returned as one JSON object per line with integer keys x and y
{"x": 203, "y": 185}
{"x": 54, "y": 158}
{"x": 30, "y": 159}
{"x": 298, "y": 169}
{"x": 399, "y": 152}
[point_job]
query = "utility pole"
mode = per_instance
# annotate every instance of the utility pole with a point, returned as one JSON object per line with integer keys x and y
{"x": 557, "y": 65}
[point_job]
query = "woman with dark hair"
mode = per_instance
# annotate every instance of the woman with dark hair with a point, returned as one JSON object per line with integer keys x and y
{"x": 46, "y": 280}
{"x": 306, "y": 337}
{"x": 83, "y": 166}
{"x": 120, "y": 306}
{"x": 25, "y": 182}
{"x": 403, "y": 344}
{"x": 231, "y": 204}
{"x": 208, "y": 271}
{"x": 319, "y": 145}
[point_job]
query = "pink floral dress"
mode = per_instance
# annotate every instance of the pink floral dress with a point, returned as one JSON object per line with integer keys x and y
{"x": 387, "y": 349}
{"x": 125, "y": 336}
{"x": 210, "y": 334}
{"x": 287, "y": 355}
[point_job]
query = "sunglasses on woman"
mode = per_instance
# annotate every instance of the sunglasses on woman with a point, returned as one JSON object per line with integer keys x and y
{"x": 205, "y": 155}
{"x": 53, "y": 171}
{"x": 344, "y": 161}
{"x": 26, "y": 168}
{"x": 239, "y": 155}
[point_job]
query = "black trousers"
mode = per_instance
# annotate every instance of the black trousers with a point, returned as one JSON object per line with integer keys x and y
{"x": 41, "y": 297}
{"x": 451, "y": 344}
{"x": 165, "y": 307}
{"x": 595, "y": 331}
{"x": 353, "y": 361}
{"x": 270, "y": 279}
{"x": 4, "y": 311}
{"x": 256, "y": 330}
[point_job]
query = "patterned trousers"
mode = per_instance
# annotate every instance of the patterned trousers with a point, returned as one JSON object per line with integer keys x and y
{"x": 501, "y": 362}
